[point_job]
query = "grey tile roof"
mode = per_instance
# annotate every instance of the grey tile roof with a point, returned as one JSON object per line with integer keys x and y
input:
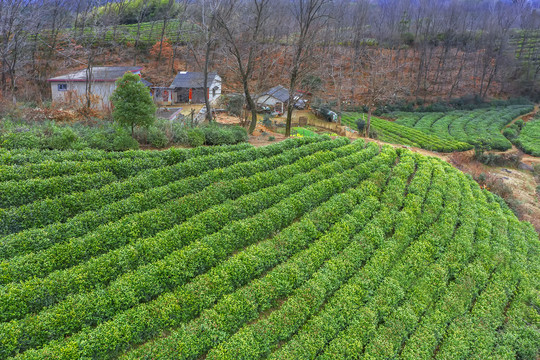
{"x": 185, "y": 79}
{"x": 279, "y": 92}
{"x": 99, "y": 73}
{"x": 146, "y": 82}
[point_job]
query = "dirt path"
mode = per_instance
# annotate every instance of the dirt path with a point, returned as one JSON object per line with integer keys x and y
{"x": 527, "y": 159}
{"x": 525, "y": 117}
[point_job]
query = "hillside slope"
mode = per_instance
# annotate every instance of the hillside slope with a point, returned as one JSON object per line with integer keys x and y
{"x": 307, "y": 248}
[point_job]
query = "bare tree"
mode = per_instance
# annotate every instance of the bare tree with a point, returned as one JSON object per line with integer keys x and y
{"x": 203, "y": 49}
{"x": 143, "y": 11}
{"x": 242, "y": 26}
{"x": 381, "y": 85}
{"x": 14, "y": 17}
{"x": 308, "y": 16}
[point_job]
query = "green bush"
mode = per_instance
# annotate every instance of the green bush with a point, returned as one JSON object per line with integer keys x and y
{"x": 20, "y": 139}
{"x": 217, "y": 135}
{"x": 98, "y": 139}
{"x": 157, "y": 137}
{"x": 510, "y": 133}
{"x": 240, "y": 134}
{"x": 195, "y": 137}
{"x": 122, "y": 141}
{"x": 62, "y": 138}
{"x": 179, "y": 134}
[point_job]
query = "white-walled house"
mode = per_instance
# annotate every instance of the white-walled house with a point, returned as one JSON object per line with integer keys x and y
{"x": 72, "y": 87}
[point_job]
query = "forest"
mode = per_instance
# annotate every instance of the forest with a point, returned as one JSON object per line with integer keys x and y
{"x": 347, "y": 52}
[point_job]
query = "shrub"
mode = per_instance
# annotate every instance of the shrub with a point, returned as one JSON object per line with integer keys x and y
{"x": 234, "y": 106}
{"x": 267, "y": 121}
{"x": 23, "y": 138}
{"x": 271, "y": 138}
{"x": 98, "y": 139}
{"x": 123, "y": 141}
{"x": 157, "y": 137}
{"x": 195, "y": 137}
{"x": 510, "y": 133}
{"x": 239, "y": 133}
{"x": 360, "y": 125}
{"x": 179, "y": 134}
{"x": 216, "y": 135}
{"x": 61, "y": 138}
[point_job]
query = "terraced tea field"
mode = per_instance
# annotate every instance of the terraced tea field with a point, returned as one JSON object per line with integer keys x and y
{"x": 394, "y": 133}
{"x": 528, "y": 139}
{"x": 478, "y": 127}
{"x": 307, "y": 248}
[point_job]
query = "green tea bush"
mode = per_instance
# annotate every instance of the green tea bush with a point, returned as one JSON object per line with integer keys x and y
{"x": 62, "y": 138}
{"x": 20, "y": 139}
{"x": 195, "y": 137}
{"x": 157, "y": 137}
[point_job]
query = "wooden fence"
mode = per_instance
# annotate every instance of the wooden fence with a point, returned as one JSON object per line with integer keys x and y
{"x": 331, "y": 126}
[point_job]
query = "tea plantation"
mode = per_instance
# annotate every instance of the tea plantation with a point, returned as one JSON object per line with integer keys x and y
{"x": 308, "y": 248}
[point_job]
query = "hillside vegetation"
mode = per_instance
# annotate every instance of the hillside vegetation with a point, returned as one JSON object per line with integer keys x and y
{"x": 395, "y": 133}
{"x": 480, "y": 127}
{"x": 528, "y": 139}
{"x": 306, "y": 248}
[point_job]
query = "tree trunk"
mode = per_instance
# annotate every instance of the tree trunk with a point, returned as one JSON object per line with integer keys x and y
{"x": 206, "y": 92}
{"x": 368, "y": 123}
{"x": 251, "y": 105}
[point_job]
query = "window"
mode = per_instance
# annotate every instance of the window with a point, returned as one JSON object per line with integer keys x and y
{"x": 62, "y": 87}
{"x": 214, "y": 91}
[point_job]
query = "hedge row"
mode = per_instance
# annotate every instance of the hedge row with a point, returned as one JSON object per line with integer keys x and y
{"x": 258, "y": 227}
{"x": 246, "y": 304}
{"x": 486, "y": 314}
{"x": 258, "y": 339}
{"x": 122, "y": 167}
{"x": 469, "y": 278}
{"x": 330, "y": 320}
{"x": 17, "y": 193}
{"x": 480, "y": 127}
{"x": 394, "y": 132}
{"x": 425, "y": 141}
{"x": 37, "y": 330}
{"x": 529, "y": 138}
{"x": 18, "y": 299}
{"x": 34, "y": 156}
{"x": 49, "y": 211}
{"x": 114, "y": 263}
{"x": 32, "y": 240}
{"x": 347, "y": 308}
{"x": 417, "y": 278}
{"x": 520, "y": 334}
{"x": 142, "y": 225}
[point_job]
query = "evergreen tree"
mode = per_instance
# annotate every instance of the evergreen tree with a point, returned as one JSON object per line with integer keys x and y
{"x": 132, "y": 102}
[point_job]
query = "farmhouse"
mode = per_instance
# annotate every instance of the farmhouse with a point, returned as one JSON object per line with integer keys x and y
{"x": 277, "y": 98}
{"x": 188, "y": 87}
{"x": 72, "y": 87}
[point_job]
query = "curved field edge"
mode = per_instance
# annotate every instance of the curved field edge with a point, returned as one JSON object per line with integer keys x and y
{"x": 479, "y": 128}
{"x": 395, "y": 133}
{"x": 528, "y": 139}
{"x": 340, "y": 251}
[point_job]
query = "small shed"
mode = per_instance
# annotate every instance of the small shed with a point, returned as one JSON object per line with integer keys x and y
{"x": 72, "y": 87}
{"x": 188, "y": 87}
{"x": 277, "y": 98}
